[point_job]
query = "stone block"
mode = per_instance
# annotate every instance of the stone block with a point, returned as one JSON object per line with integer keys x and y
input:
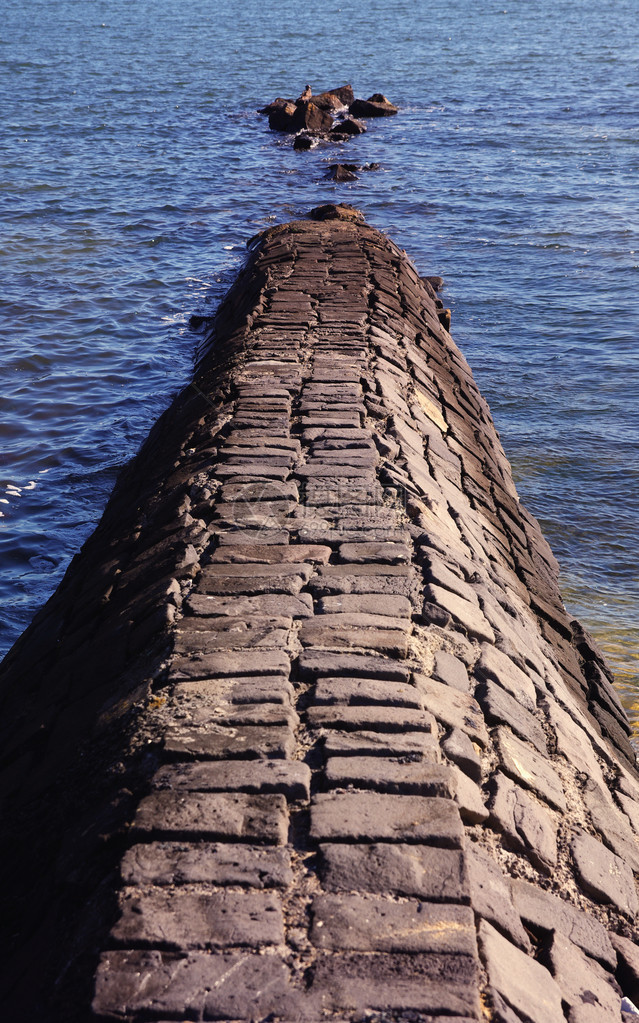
{"x": 385, "y": 775}
{"x": 581, "y": 980}
{"x": 318, "y": 634}
{"x": 364, "y": 553}
{"x": 227, "y": 663}
{"x": 628, "y": 965}
{"x": 524, "y": 821}
{"x": 453, "y": 708}
{"x": 231, "y": 816}
{"x": 300, "y": 606}
{"x": 291, "y": 778}
{"x": 374, "y": 817}
{"x": 460, "y": 750}
{"x": 503, "y": 709}
{"x": 450, "y": 670}
{"x": 370, "y": 923}
{"x": 420, "y": 871}
{"x": 366, "y": 691}
{"x": 211, "y": 863}
{"x": 604, "y": 876}
{"x": 366, "y": 603}
{"x": 318, "y": 664}
{"x": 369, "y": 718}
{"x": 529, "y": 768}
{"x": 491, "y": 898}
{"x": 184, "y": 919}
{"x": 496, "y": 665}
{"x": 522, "y": 982}
{"x": 215, "y": 742}
{"x": 469, "y": 798}
{"x": 417, "y": 745}
{"x": 466, "y": 613}
{"x": 546, "y": 912}
{"x": 272, "y": 554}
{"x": 229, "y": 986}
{"x": 443, "y": 985}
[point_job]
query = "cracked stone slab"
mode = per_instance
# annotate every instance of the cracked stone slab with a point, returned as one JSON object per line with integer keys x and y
{"x": 503, "y": 709}
{"x": 291, "y": 778}
{"x": 491, "y": 898}
{"x": 272, "y": 554}
{"x": 254, "y": 818}
{"x": 604, "y": 875}
{"x": 465, "y": 612}
{"x": 375, "y": 817}
{"x": 421, "y": 871}
{"x": 529, "y": 768}
{"x": 235, "y": 690}
{"x": 496, "y": 665}
{"x": 317, "y": 634}
{"x": 366, "y": 603}
{"x": 223, "y": 863}
{"x": 219, "y": 986}
{"x": 526, "y": 985}
{"x": 525, "y": 821}
{"x": 370, "y": 923}
{"x": 540, "y": 909}
{"x": 453, "y": 708}
{"x": 582, "y": 981}
{"x": 185, "y": 919}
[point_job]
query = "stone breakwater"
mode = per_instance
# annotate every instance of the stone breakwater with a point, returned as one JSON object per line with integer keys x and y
{"x": 306, "y": 732}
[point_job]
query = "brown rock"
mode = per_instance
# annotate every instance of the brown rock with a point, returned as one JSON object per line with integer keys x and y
{"x": 491, "y": 898}
{"x": 375, "y": 106}
{"x": 604, "y": 875}
{"x": 370, "y": 923}
{"x": 527, "y": 767}
{"x": 414, "y": 870}
{"x": 453, "y": 708}
{"x": 522, "y": 982}
{"x": 171, "y": 863}
{"x": 526, "y": 823}
{"x": 214, "y": 816}
{"x": 547, "y": 912}
{"x": 371, "y": 817}
{"x": 386, "y": 775}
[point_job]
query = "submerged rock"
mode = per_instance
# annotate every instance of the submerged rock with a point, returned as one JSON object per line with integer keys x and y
{"x": 343, "y": 172}
{"x": 349, "y": 126}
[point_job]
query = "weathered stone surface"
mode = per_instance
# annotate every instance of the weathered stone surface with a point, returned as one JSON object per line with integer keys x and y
{"x": 524, "y": 821}
{"x": 289, "y": 777}
{"x": 320, "y": 635}
{"x": 581, "y": 980}
{"x": 524, "y": 984}
{"x": 366, "y": 603}
{"x": 458, "y": 748}
{"x": 494, "y": 664}
{"x": 469, "y": 798}
{"x": 386, "y": 775}
{"x": 369, "y": 923}
{"x": 444, "y": 985}
{"x": 611, "y": 824}
{"x": 604, "y": 875}
{"x": 378, "y": 744}
{"x": 371, "y": 817}
{"x": 491, "y": 898}
{"x": 251, "y": 579}
{"x": 184, "y": 919}
{"x": 466, "y": 613}
{"x": 235, "y": 690}
{"x": 450, "y": 670}
{"x": 628, "y": 965}
{"x": 272, "y": 554}
{"x": 300, "y": 606}
{"x": 501, "y": 708}
{"x": 367, "y": 691}
{"x": 213, "y": 816}
{"x": 425, "y": 872}
{"x": 362, "y": 553}
{"x": 527, "y": 767}
{"x": 228, "y": 986}
{"x": 320, "y": 664}
{"x": 171, "y": 863}
{"x": 547, "y": 912}
{"x": 453, "y": 708}
{"x": 263, "y": 662}
{"x": 215, "y": 742}
{"x": 369, "y": 718}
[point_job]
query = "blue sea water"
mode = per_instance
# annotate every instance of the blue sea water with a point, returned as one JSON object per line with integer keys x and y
{"x": 134, "y": 167}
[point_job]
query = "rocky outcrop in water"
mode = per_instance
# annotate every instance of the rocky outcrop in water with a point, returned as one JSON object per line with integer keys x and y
{"x": 310, "y": 117}
{"x": 306, "y": 732}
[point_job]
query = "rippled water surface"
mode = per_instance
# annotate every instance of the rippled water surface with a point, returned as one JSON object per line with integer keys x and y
{"x": 134, "y": 167}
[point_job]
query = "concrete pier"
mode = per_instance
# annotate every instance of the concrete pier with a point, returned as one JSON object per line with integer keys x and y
{"x": 306, "y": 732}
